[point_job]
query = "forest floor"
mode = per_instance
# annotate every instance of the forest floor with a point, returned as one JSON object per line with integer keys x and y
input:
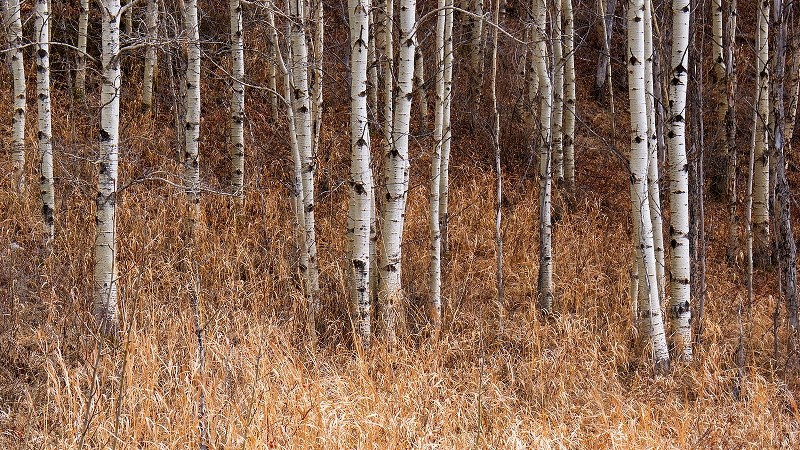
{"x": 576, "y": 381}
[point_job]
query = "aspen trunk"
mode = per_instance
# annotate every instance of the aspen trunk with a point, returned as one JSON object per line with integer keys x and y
{"x": 191, "y": 163}
{"x": 545, "y": 278}
{"x": 718, "y": 53}
{"x": 105, "y": 247}
{"x": 649, "y": 319}
{"x": 569, "y": 100}
{"x": 436, "y": 172}
{"x": 558, "y": 96}
{"x": 761, "y": 181}
{"x": 237, "y": 99}
{"x": 274, "y": 53}
{"x": 80, "y": 72}
{"x": 316, "y": 84}
{"x": 304, "y": 130}
{"x": 419, "y": 86}
{"x": 387, "y": 63}
{"x": 150, "y": 56}
{"x": 447, "y": 135}
{"x": 730, "y": 132}
{"x": 359, "y": 218}
{"x": 372, "y": 66}
{"x": 604, "y": 62}
{"x": 396, "y": 165}
{"x": 42, "y": 28}
{"x": 680, "y": 264}
{"x": 16, "y": 46}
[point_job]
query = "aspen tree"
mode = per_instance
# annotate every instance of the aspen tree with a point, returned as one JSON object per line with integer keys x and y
{"x": 42, "y": 27}
{"x": 436, "y": 172}
{"x": 730, "y": 133}
{"x": 191, "y": 163}
{"x": 787, "y": 248}
{"x": 372, "y": 66}
{"x": 105, "y": 247}
{"x": 447, "y": 132}
{"x": 361, "y": 189}
{"x": 680, "y": 263}
{"x": 557, "y": 118}
{"x": 387, "y": 63}
{"x": 761, "y": 181}
{"x": 304, "y": 131}
{"x": 396, "y": 165}
{"x": 569, "y": 99}
{"x": 652, "y": 148}
{"x": 419, "y": 85}
{"x": 83, "y": 27}
{"x": 16, "y": 46}
{"x": 540, "y": 57}
{"x": 718, "y": 53}
{"x": 127, "y": 16}
{"x": 498, "y": 231}
{"x": 273, "y": 52}
{"x": 649, "y": 319}
{"x": 476, "y": 51}
{"x": 316, "y": 84}
{"x": 237, "y": 98}
{"x": 150, "y": 56}
{"x": 607, "y": 11}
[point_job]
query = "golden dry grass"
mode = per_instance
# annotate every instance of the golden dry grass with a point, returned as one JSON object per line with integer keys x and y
{"x": 573, "y": 382}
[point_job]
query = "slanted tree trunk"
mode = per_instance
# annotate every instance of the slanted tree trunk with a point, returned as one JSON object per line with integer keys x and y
{"x": 237, "y": 99}
{"x": 604, "y": 61}
{"x": 150, "y": 56}
{"x": 680, "y": 263}
{"x": 16, "y": 46}
{"x": 650, "y": 320}
{"x": 304, "y": 130}
{"x": 191, "y": 162}
{"x": 569, "y": 100}
{"x": 396, "y": 165}
{"x": 359, "y": 217}
{"x": 540, "y": 57}
{"x": 105, "y": 246}
{"x": 761, "y": 182}
{"x": 42, "y": 28}
{"x": 80, "y": 72}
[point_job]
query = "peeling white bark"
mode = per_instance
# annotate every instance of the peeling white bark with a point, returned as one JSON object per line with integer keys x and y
{"x": 237, "y": 98}
{"x": 42, "y": 28}
{"x": 16, "y": 46}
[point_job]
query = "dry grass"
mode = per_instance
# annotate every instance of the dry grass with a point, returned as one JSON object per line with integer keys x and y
{"x": 573, "y": 382}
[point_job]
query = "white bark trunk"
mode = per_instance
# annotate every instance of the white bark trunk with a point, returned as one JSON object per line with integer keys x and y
{"x": 42, "y": 28}
{"x": 545, "y": 279}
{"x": 419, "y": 85}
{"x": 447, "y": 135}
{"x": 274, "y": 53}
{"x": 396, "y": 165}
{"x": 360, "y": 214}
{"x": 649, "y": 319}
{"x": 387, "y": 60}
{"x": 237, "y": 99}
{"x": 151, "y": 55}
{"x": 83, "y": 27}
{"x": 558, "y": 96}
{"x": 569, "y": 98}
{"x": 761, "y": 180}
{"x": 191, "y": 171}
{"x": 372, "y": 65}
{"x": 680, "y": 264}
{"x": 718, "y": 54}
{"x": 316, "y": 91}
{"x": 304, "y": 130}
{"x": 16, "y": 45}
{"x": 105, "y": 247}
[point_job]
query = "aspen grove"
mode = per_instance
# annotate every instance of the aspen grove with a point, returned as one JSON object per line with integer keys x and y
{"x": 399, "y": 224}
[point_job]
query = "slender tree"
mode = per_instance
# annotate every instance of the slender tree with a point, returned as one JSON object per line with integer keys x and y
{"x": 650, "y": 319}
{"x": 105, "y": 247}
{"x": 396, "y": 165}
{"x": 191, "y": 162}
{"x": 447, "y": 132}
{"x": 83, "y": 27}
{"x": 569, "y": 99}
{"x": 359, "y": 217}
{"x": 730, "y": 132}
{"x": 151, "y": 54}
{"x": 718, "y": 53}
{"x": 540, "y": 57}
{"x": 16, "y": 46}
{"x": 607, "y": 12}
{"x": 557, "y": 119}
{"x": 42, "y": 28}
{"x": 237, "y": 98}
{"x": 436, "y": 171}
{"x": 761, "y": 181}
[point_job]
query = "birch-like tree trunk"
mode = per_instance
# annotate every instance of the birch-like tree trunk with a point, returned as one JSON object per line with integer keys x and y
{"x": 42, "y": 28}
{"x": 650, "y": 319}
{"x": 105, "y": 246}
{"x": 387, "y": 66}
{"x": 680, "y": 263}
{"x": 436, "y": 172}
{"x": 359, "y": 218}
{"x": 604, "y": 62}
{"x": 447, "y": 132}
{"x": 540, "y": 57}
{"x": 718, "y": 53}
{"x": 557, "y": 119}
{"x": 16, "y": 47}
{"x": 237, "y": 98}
{"x": 191, "y": 163}
{"x": 372, "y": 67}
{"x": 316, "y": 85}
{"x": 476, "y": 51}
{"x": 569, "y": 99}
{"x": 274, "y": 53}
{"x": 419, "y": 85}
{"x": 151, "y": 55}
{"x": 304, "y": 130}
{"x": 761, "y": 182}
{"x": 80, "y": 63}
{"x": 654, "y": 190}
{"x": 396, "y": 166}
{"x": 730, "y": 132}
